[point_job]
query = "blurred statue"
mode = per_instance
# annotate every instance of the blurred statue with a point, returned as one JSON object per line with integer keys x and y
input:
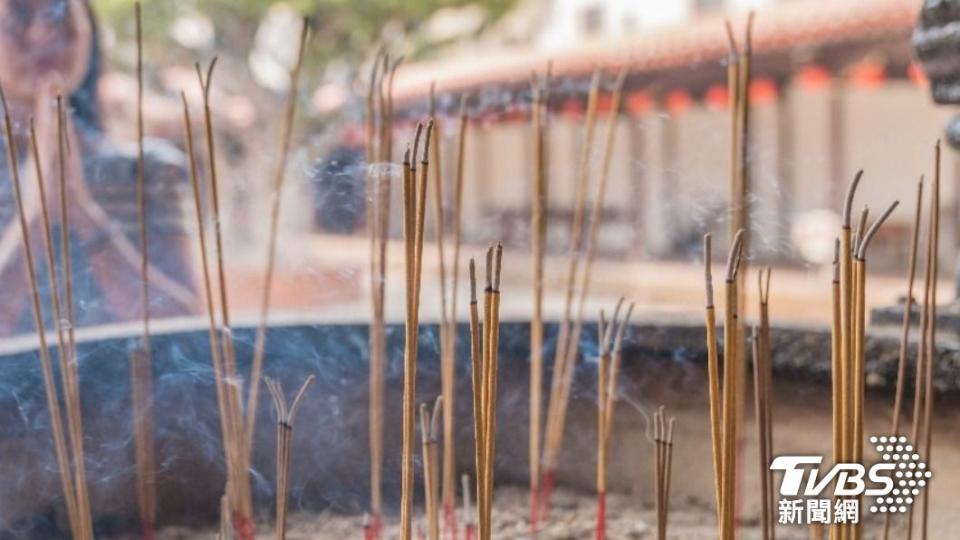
{"x": 936, "y": 40}
{"x": 50, "y": 48}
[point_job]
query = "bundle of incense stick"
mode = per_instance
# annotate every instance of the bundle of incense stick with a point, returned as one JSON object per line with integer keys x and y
{"x": 608, "y": 367}
{"x": 485, "y": 363}
{"x": 69, "y": 366}
{"x": 448, "y": 314}
{"x": 430, "y": 436}
{"x": 738, "y": 88}
{"x": 763, "y": 413}
{"x": 379, "y": 154}
{"x": 226, "y": 379}
{"x": 850, "y": 327}
{"x": 663, "y": 442}
{"x": 285, "y": 417}
{"x": 922, "y": 428}
{"x": 141, "y": 359}
{"x": 905, "y": 331}
{"x": 469, "y": 527}
{"x": 581, "y": 251}
{"x": 725, "y": 421}
{"x": 276, "y": 193}
{"x": 69, "y": 455}
{"x": 538, "y": 230}
{"x": 414, "y": 209}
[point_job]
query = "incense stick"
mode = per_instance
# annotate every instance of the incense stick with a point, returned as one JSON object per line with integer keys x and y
{"x": 378, "y": 225}
{"x": 485, "y": 362}
{"x": 762, "y": 378}
{"x": 447, "y": 330}
{"x": 46, "y": 366}
{"x": 730, "y": 397}
{"x": 285, "y": 418}
{"x": 538, "y": 229}
{"x": 225, "y": 413}
{"x": 713, "y": 372}
{"x": 905, "y": 331}
{"x": 239, "y": 481}
{"x": 569, "y": 336}
{"x": 429, "y": 431}
{"x": 610, "y": 337}
{"x": 276, "y": 193}
{"x": 141, "y": 359}
{"x": 414, "y": 194}
{"x": 923, "y": 397}
{"x": 663, "y": 446}
{"x": 69, "y": 364}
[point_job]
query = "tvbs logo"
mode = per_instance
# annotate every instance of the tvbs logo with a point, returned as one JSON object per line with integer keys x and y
{"x": 893, "y": 483}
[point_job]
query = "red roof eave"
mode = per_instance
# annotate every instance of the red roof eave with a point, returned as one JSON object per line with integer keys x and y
{"x": 777, "y": 28}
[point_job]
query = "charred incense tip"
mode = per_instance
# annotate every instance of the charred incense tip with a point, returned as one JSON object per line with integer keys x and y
{"x": 406, "y": 157}
{"x": 435, "y": 419}
{"x": 432, "y": 102}
{"x": 473, "y": 281}
{"x": 416, "y": 145}
{"x": 733, "y": 258}
{"x": 489, "y": 282}
{"x": 498, "y": 262}
{"x": 618, "y": 340}
{"x": 748, "y": 43}
{"x": 707, "y": 263}
{"x": 426, "y": 143}
{"x": 424, "y": 423}
{"x": 463, "y": 106}
{"x": 848, "y": 199}
{"x": 862, "y": 251}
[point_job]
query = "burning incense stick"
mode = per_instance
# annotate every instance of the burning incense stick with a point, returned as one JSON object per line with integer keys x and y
{"x": 237, "y": 456}
{"x": 568, "y": 339}
{"x": 414, "y": 196}
{"x": 141, "y": 359}
{"x": 485, "y": 362}
{"x": 663, "y": 446}
{"x": 285, "y": 417}
{"x": 762, "y": 378}
{"x": 905, "y": 331}
{"x": 276, "y": 195}
{"x": 50, "y": 386}
{"x": 730, "y": 393}
{"x": 378, "y": 225}
{"x": 922, "y": 430}
{"x": 65, "y": 351}
{"x": 738, "y": 83}
{"x": 713, "y": 371}
{"x": 69, "y": 363}
{"x": 215, "y": 352}
{"x": 538, "y": 230}
{"x": 447, "y": 332}
{"x": 608, "y": 367}
{"x": 430, "y": 434}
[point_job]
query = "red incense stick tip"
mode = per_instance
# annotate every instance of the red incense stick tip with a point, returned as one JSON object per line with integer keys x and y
{"x": 243, "y": 527}
{"x": 546, "y": 491}
{"x": 371, "y": 531}
{"x": 601, "y": 516}
{"x": 450, "y": 521}
{"x": 148, "y": 530}
{"x": 468, "y": 533}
